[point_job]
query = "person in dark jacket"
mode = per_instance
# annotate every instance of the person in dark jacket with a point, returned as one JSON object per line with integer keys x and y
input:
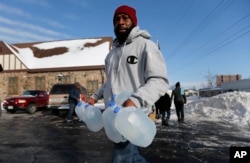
{"x": 179, "y": 101}
{"x": 74, "y": 98}
{"x": 164, "y": 105}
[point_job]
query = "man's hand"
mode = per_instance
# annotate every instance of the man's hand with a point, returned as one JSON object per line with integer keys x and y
{"x": 128, "y": 103}
{"x": 91, "y": 101}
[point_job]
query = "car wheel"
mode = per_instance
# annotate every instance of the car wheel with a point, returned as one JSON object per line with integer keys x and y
{"x": 32, "y": 108}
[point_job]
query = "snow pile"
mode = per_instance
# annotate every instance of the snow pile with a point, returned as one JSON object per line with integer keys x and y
{"x": 232, "y": 107}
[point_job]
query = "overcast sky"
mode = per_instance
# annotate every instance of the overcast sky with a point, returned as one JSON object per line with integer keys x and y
{"x": 195, "y": 36}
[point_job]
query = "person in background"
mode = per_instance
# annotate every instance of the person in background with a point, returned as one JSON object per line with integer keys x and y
{"x": 1, "y": 68}
{"x": 134, "y": 64}
{"x": 164, "y": 105}
{"x": 74, "y": 98}
{"x": 157, "y": 113}
{"x": 179, "y": 101}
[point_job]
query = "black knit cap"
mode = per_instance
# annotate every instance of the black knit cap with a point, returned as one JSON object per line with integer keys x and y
{"x": 177, "y": 84}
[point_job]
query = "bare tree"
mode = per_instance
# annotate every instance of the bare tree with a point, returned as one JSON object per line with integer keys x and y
{"x": 210, "y": 78}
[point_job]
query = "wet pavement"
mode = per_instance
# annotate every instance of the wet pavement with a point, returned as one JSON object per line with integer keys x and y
{"x": 43, "y": 137}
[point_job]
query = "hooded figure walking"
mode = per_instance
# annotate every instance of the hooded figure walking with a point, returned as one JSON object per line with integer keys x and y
{"x": 164, "y": 105}
{"x": 179, "y": 101}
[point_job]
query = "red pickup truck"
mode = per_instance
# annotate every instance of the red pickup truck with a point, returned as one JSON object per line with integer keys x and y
{"x": 29, "y": 101}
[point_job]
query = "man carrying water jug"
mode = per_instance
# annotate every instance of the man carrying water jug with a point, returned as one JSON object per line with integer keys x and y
{"x": 134, "y": 64}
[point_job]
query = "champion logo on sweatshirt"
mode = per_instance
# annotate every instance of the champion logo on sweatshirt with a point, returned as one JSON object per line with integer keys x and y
{"x": 132, "y": 59}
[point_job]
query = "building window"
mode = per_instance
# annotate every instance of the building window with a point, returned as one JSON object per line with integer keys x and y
{"x": 237, "y": 77}
{"x": 92, "y": 86}
{"x": 13, "y": 86}
{"x": 40, "y": 83}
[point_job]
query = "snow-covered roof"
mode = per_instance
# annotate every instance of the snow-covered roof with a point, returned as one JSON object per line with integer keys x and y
{"x": 65, "y": 53}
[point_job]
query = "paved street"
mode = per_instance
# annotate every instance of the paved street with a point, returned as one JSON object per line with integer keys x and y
{"x": 44, "y": 137}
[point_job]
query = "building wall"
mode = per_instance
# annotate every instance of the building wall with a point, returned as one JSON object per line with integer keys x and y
{"x": 241, "y": 85}
{"x": 226, "y": 78}
{"x": 11, "y": 62}
{"x": 209, "y": 92}
{"x": 27, "y": 80}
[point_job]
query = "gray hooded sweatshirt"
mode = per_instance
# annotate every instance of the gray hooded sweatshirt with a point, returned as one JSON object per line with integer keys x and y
{"x": 137, "y": 66}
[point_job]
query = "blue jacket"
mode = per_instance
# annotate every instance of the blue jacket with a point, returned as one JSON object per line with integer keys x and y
{"x": 74, "y": 94}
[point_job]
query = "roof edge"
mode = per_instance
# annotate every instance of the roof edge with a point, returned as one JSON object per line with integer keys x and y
{"x": 67, "y": 69}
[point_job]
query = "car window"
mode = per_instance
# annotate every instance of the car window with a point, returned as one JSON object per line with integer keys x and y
{"x": 30, "y": 93}
{"x": 61, "y": 89}
{"x": 64, "y": 89}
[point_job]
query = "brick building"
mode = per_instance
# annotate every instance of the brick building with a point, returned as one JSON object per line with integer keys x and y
{"x": 226, "y": 78}
{"x": 40, "y": 65}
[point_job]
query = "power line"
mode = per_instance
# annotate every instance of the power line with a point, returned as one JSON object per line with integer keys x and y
{"x": 220, "y": 45}
{"x": 182, "y": 15}
{"x": 224, "y": 43}
{"x": 219, "y": 9}
{"x": 221, "y": 33}
{"x": 180, "y": 18}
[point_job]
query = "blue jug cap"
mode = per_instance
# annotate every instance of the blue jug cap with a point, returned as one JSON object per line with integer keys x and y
{"x": 117, "y": 109}
{"x": 87, "y": 105}
{"x": 111, "y": 103}
{"x": 79, "y": 104}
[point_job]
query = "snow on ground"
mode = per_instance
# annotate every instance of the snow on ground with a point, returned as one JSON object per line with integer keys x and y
{"x": 231, "y": 107}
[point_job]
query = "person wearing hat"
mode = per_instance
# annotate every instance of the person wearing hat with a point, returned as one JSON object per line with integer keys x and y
{"x": 134, "y": 64}
{"x": 74, "y": 98}
{"x": 179, "y": 101}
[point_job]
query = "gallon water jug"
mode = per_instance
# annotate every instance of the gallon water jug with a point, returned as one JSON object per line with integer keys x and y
{"x": 108, "y": 118}
{"x": 135, "y": 126}
{"x": 79, "y": 109}
{"x": 93, "y": 118}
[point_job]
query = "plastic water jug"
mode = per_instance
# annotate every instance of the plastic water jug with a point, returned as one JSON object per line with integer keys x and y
{"x": 79, "y": 109}
{"x": 135, "y": 126}
{"x": 108, "y": 118}
{"x": 93, "y": 118}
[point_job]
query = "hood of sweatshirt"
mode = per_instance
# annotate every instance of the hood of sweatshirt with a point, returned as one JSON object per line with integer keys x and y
{"x": 135, "y": 32}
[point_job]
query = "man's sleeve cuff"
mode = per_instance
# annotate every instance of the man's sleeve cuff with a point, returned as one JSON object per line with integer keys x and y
{"x": 136, "y": 102}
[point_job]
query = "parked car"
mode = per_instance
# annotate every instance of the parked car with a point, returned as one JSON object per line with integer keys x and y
{"x": 58, "y": 97}
{"x": 30, "y": 101}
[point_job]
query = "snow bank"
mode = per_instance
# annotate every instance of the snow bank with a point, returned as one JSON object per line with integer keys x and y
{"x": 232, "y": 107}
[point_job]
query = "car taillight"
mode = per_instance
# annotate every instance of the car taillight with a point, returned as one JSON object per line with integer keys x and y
{"x": 5, "y": 102}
